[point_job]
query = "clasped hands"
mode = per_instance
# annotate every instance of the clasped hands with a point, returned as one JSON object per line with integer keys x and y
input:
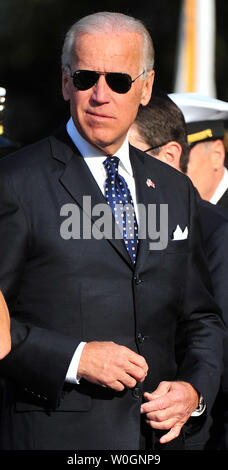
{"x": 111, "y": 365}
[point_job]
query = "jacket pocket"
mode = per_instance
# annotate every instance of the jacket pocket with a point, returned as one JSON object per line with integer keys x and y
{"x": 178, "y": 246}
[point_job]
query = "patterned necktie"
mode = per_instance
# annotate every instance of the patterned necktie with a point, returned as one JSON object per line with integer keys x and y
{"x": 119, "y": 198}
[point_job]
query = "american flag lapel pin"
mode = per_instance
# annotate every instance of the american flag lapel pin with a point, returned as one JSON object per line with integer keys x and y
{"x": 150, "y": 183}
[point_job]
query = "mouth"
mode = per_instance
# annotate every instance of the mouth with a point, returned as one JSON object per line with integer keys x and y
{"x": 99, "y": 116}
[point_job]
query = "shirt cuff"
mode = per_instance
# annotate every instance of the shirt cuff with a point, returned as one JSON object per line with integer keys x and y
{"x": 201, "y": 407}
{"x": 71, "y": 375}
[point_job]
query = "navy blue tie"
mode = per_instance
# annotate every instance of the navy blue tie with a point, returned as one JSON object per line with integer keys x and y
{"x": 119, "y": 198}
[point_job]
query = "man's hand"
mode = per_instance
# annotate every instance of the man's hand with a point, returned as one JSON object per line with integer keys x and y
{"x": 5, "y": 339}
{"x": 111, "y": 365}
{"x": 169, "y": 407}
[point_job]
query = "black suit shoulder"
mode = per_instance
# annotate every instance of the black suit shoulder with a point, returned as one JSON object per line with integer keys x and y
{"x": 27, "y": 157}
{"x": 37, "y": 162}
{"x": 25, "y": 170}
{"x": 163, "y": 169}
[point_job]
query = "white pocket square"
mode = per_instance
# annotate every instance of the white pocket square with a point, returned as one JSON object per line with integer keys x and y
{"x": 179, "y": 235}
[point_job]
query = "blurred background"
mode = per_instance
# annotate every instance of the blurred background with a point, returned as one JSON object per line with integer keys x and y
{"x": 32, "y": 34}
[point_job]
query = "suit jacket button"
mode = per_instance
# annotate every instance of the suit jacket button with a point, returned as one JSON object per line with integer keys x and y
{"x": 136, "y": 392}
{"x": 140, "y": 337}
{"x": 137, "y": 279}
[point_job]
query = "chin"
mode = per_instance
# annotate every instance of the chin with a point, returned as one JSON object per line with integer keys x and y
{"x": 101, "y": 140}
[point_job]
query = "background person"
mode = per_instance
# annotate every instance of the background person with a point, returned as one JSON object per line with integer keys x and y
{"x": 160, "y": 130}
{"x": 204, "y": 117}
{"x": 5, "y": 339}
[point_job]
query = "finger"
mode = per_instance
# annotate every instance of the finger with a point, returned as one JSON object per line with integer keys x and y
{"x": 157, "y": 404}
{"x": 161, "y": 390}
{"x": 138, "y": 360}
{"x": 4, "y": 309}
{"x": 127, "y": 380}
{"x": 166, "y": 424}
{"x": 163, "y": 415}
{"x": 172, "y": 434}
{"x": 124, "y": 381}
{"x": 116, "y": 385}
{"x": 138, "y": 373}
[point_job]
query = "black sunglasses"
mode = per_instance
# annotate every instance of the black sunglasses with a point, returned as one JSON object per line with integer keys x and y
{"x": 118, "y": 82}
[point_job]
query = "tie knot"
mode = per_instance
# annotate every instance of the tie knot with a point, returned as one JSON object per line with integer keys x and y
{"x": 111, "y": 164}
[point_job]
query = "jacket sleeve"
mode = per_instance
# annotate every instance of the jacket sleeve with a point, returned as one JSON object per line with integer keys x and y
{"x": 201, "y": 329}
{"x": 217, "y": 249}
{"x": 39, "y": 357}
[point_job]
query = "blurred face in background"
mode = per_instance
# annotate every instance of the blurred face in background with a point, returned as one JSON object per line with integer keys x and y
{"x": 205, "y": 167}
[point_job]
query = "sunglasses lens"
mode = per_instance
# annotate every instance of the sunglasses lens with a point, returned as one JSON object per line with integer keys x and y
{"x": 119, "y": 82}
{"x": 84, "y": 79}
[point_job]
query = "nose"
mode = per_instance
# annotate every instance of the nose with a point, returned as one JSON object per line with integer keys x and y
{"x": 101, "y": 90}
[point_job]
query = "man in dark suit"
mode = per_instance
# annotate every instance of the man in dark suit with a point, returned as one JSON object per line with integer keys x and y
{"x": 204, "y": 117}
{"x": 95, "y": 362}
{"x": 160, "y": 130}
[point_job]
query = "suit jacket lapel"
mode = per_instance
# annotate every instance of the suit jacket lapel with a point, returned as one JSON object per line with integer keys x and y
{"x": 145, "y": 194}
{"x": 78, "y": 181}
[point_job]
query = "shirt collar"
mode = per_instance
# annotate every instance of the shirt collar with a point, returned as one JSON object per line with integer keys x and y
{"x": 90, "y": 151}
{"x": 222, "y": 187}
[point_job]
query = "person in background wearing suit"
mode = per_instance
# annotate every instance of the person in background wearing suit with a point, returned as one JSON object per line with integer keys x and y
{"x": 204, "y": 117}
{"x": 95, "y": 362}
{"x": 6, "y": 144}
{"x": 160, "y": 131}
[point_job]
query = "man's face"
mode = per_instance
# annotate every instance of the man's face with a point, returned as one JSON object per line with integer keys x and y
{"x": 201, "y": 169}
{"x": 101, "y": 115}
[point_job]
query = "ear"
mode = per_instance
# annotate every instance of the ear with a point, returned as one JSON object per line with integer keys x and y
{"x": 65, "y": 85}
{"x": 172, "y": 153}
{"x": 147, "y": 88}
{"x": 217, "y": 154}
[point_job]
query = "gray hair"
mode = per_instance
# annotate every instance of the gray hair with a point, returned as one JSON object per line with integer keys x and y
{"x": 106, "y": 22}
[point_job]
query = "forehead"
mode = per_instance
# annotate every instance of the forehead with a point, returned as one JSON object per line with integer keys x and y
{"x": 113, "y": 51}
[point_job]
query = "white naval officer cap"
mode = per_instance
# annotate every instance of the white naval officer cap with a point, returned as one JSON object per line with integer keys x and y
{"x": 2, "y": 97}
{"x": 204, "y": 116}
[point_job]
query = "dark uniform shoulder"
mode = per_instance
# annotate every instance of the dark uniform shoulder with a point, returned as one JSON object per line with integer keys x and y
{"x": 27, "y": 157}
{"x": 163, "y": 168}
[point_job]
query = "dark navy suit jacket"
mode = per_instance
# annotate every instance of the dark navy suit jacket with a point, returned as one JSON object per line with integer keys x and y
{"x": 61, "y": 292}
